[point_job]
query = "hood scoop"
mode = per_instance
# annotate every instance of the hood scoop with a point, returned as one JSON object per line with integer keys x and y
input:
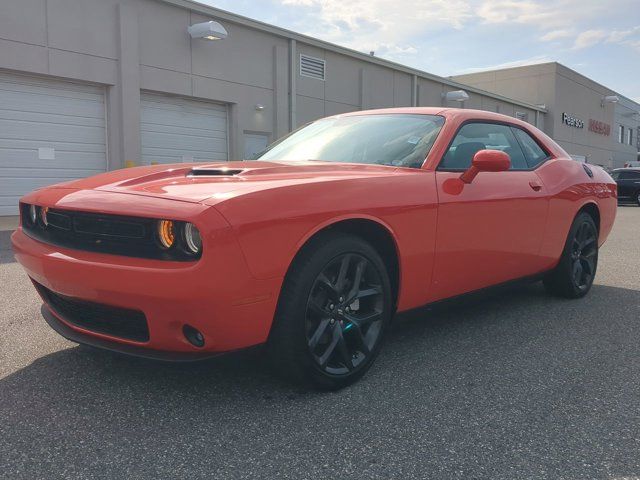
{"x": 214, "y": 172}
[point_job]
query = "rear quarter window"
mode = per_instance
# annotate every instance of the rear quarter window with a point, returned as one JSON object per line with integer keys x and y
{"x": 533, "y": 152}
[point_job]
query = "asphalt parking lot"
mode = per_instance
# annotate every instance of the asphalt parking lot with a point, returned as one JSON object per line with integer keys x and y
{"x": 518, "y": 385}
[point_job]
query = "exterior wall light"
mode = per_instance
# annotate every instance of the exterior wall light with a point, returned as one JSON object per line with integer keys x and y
{"x": 609, "y": 99}
{"x": 456, "y": 96}
{"x": 208, "y": 31}
{"x": 259, "y": 107}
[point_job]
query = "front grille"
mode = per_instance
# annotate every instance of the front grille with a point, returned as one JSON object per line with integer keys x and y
{"x": 114, "y": 234}
{"x": 85, "y": 224}
{"x": 96, "y": 317}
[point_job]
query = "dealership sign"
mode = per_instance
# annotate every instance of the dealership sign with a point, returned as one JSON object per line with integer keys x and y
{"x": 596, "y": 126}
{"x": 572, "y": 121}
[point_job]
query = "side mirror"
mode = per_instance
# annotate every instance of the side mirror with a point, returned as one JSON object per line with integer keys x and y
{"x": 486, "y": 161}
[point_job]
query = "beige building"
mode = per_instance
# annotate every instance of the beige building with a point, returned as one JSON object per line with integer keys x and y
{"x": 591, "y": 122}
{"x": 92, "y": 85}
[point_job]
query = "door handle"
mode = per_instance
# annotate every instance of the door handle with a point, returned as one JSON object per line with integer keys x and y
{"x": 535, "y": 186}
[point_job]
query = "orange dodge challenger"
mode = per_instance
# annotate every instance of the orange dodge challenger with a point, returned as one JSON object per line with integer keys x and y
{"x": 315, "y": 246}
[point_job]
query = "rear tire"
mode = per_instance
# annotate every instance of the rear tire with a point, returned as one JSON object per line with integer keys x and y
{"x": 638, "y": 198}
{"x": 332, "y": 314}
{"x": 573, "y": 277}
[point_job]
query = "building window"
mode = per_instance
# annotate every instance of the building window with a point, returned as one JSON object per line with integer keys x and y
{"x": 629, "y": 136}
{"x": 312, "y": 67}
{"x": 620, "y": 134}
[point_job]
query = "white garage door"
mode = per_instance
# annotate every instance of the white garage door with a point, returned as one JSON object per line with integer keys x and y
{"x": 50, "y": 132}
{"x": 175, "y": 130}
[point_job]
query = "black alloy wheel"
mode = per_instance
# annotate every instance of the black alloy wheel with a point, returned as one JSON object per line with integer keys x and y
{"x": 332, "y": 313}
{"x": 344, "y": 314}
{"x": 576, "y": 270}
{"x": 584, "y": 251}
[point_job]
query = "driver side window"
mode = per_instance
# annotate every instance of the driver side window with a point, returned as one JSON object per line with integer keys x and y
{"x": 473, "y": 137}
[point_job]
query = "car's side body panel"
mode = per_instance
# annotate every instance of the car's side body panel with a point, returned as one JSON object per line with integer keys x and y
{"x": 570, "y": 189}
{"x": 512, "y": 224}
{"x": 489, "y": 231}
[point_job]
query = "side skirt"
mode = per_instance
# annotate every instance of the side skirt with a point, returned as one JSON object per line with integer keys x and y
{"x": 472, "y": 296}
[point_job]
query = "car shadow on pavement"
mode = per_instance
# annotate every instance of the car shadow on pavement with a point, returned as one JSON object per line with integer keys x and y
{"x": 515, "y": 369}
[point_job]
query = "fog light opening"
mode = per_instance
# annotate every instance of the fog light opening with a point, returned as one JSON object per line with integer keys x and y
{"x": 193, "y": 336}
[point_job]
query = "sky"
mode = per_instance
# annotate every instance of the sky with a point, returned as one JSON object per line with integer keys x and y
{"x": 598, "y": 38}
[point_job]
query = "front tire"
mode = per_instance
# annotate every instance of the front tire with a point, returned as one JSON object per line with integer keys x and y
{"x": 574, "y": 275}
{"x": 332, "y": 314}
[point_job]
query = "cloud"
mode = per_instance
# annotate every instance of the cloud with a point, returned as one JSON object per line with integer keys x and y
{"x": 556, "y": 35}
{"x": 395, "y": 50}
{"x": 619, "y": 35}
{"x": 415, "y": 15}
{"x": 543, "y": 15}
{"x": 390, "y": 26}
{"x": 381, "y": 25}
{"x": 590, "y": 38}
{"x": 633, "y": 44}
{"x": 511, "y": 11}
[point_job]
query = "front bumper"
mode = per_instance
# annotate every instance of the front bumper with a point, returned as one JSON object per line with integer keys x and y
{"x": 75, "y": 335}
{"x": 216, "y": 295}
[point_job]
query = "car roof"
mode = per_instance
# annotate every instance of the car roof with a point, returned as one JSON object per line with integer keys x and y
{"x": 462, "y": 114}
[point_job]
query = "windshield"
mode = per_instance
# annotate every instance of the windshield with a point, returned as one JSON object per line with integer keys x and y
{"x": 398, "y": 140}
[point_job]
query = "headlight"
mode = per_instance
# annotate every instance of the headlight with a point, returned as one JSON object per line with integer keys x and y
{"x": 33, "y": 214}
{"x": 43, "y": 215}
{"x": 192, "y": 238}
{"x": 166, "y": 233}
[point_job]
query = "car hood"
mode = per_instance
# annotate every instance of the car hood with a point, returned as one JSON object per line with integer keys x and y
{"x": 214, "y": 182}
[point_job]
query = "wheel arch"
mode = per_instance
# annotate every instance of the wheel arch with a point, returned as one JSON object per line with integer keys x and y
{"x": 592, "y": 209}
{"x": 372, "y": 230}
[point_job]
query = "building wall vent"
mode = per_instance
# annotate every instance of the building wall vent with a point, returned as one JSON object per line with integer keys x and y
{"x": 524, "y": 116}
{"x": 312, "y": 67}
